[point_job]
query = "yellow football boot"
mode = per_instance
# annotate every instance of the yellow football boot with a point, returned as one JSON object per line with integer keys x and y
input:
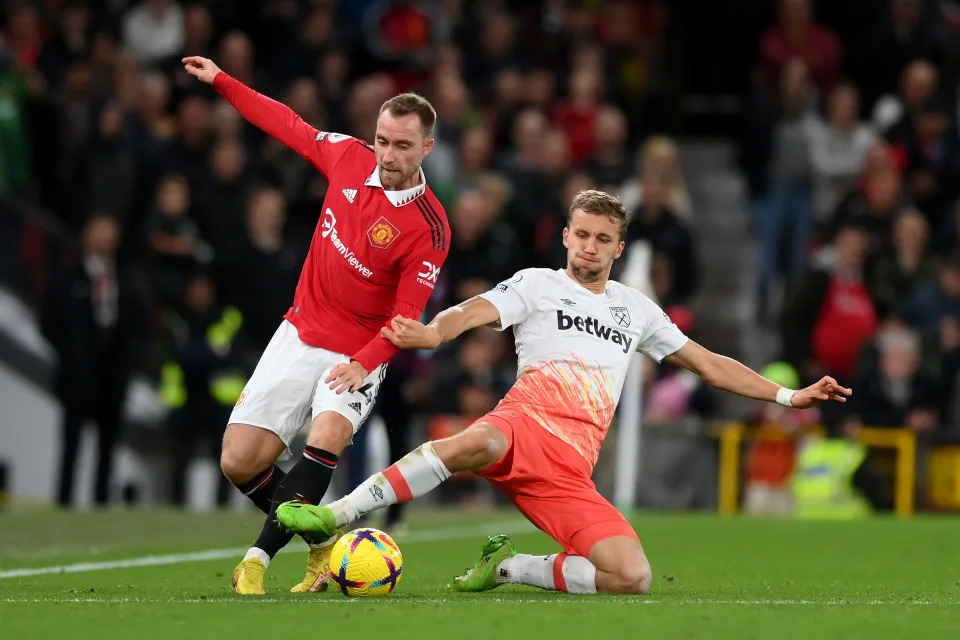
{"x": 318, "y": 568}
{"x": 248, "y": 577}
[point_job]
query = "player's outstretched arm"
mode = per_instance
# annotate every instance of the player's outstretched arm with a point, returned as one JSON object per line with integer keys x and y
{"x": 274, "y": 118}
{"x": 730, "y": 375}
{"x": 411, "y": 334}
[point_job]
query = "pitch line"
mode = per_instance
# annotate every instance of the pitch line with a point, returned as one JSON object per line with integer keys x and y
{"x": 427, "y": 535}
{"x": 562, "y": 599}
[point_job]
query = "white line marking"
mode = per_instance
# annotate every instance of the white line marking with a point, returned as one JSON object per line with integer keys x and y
{"x": 560, "y": 599}
{"x": 426, "y": 535}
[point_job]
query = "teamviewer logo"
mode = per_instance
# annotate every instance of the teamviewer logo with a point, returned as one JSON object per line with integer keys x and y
{"x": 328, "y": 223}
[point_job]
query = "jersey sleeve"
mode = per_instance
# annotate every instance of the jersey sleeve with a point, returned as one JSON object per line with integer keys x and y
{"x": 513, "y": 298}
{"x": 660, "y": 337}
{"x": 321, "y": 149}
{"x": 418, "y": 277}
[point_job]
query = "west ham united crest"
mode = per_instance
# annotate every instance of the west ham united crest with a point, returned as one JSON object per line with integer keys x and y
{"x": 382, "y": 233}
{"x": 621, "y": 316}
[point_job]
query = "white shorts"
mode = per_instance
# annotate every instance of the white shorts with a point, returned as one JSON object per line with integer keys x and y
{"x": 287, "y": 389}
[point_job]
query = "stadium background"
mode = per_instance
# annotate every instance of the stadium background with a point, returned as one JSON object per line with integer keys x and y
{"x": 745, "y": 140}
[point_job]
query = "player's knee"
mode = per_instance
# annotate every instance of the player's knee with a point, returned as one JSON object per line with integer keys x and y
{"x": 484, "y": 446}
{"x": 238, "y": 462}
{"x": 471, "y": 450}
{"x": 331, "y": 432}
{"x": 635, "y": 577}
{"x": 235, "y": 467}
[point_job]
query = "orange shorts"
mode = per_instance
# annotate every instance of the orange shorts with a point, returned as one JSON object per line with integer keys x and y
{"x": 549, "y": 482}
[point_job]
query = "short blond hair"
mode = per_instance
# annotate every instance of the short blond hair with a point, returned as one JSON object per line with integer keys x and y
{"x": 600, "y": 203}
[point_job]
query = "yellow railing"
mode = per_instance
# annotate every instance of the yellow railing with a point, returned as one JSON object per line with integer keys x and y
{"x": 903, "y": 441}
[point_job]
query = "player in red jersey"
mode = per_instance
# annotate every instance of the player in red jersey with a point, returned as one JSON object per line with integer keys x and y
{"x": 376, "y": 253}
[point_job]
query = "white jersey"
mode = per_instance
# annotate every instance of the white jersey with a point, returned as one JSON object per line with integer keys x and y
{"x": 574, "y": 348}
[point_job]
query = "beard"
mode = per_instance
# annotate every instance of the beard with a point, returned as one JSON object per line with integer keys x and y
{"x": 584, "y": 274}
{"x": 395, "y": 179}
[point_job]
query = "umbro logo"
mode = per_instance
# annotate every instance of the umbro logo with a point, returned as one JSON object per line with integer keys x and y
{"x": 350, "y": 194}
{"x": 569, "y": 303}
{"x": 356, "y": 406}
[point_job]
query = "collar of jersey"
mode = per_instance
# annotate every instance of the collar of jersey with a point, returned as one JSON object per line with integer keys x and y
{"x": 398, "y": 198}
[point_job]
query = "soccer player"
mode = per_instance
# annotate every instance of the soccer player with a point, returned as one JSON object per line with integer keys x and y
{"x": 575, "y": 332}
{"x": 376, "y": 253}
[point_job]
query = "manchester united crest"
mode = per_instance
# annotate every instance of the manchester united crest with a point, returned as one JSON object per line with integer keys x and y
{"x": 382, "y": 233}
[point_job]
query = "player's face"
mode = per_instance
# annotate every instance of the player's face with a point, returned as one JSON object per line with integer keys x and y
{"x": 593, "y": 243}
{"x": 400, "y": 148}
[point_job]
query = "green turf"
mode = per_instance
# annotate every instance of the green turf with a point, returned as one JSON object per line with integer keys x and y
{"x": 714, "y": 578}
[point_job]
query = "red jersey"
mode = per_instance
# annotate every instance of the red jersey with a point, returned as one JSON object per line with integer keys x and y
{"x": 374, "y": 253}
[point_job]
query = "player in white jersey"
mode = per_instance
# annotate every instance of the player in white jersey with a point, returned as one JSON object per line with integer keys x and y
{"x": 575, "y": 331}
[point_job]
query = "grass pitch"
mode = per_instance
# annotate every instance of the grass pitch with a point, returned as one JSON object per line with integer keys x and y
{"x": 165, "y": 574}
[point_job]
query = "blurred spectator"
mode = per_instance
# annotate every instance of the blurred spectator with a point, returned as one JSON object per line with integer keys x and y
{"x": 797, "y": 36}
{"x": 297, "y": 57}
{"x": 235, "y": 57}
{"x": 893, "y": 115}
{"x": 222, "y": 196}
{"x": 897, "y": 393}
{"x": 676, "y": 393}
{"x": 905, "y": 35}
{"x": 174, "y": 243}
{"x": 904, "y": 266}
{"x": 770, "y": 460}
{"x": 935, "y": 300}
{"x": 400, "y": 33}
{"x": 261, "y": 279}
{"x": 931, "y": 157}
{"x": 94, "y": 318}
{"x": 472, "y": 381}
{"x": 189, "y": 151}
{"x": 202, "y": 379}
{"x": 656, "y": 223}
{"x": 69, "y": 45}
{"x": 874, "y": 205}
{"x": 484, "y": 250}
{"x": 660, "y": 155}
{"x": 494, "y": 51}
{"x": 153, "y": 30}
{"x": 610, "y": 165}
{"x": 784, "y": 215}
{"x": 838, "y": 148}
{"x": 830, "y": 316}
{"x": 197, "y": 31}
{"x": 106, "y": 179}
{"x": 577, "y": 115}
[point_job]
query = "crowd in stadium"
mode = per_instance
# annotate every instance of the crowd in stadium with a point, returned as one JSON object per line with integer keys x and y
{"x": 192, "y": 226}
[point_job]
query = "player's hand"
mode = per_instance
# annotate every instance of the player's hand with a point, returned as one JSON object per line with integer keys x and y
{"x": 819, "y": 392}
{"x": 411, "y": 334}
{"x": 345, "y": 377}
{"x": 202, "y": 68}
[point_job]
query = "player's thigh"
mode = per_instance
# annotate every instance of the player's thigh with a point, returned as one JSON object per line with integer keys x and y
{"x": 336, "y": 417}
{"x": 278, "y": 395}
{"x": 477, "y": 447}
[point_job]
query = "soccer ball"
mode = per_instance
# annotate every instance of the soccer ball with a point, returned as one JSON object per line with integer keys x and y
{"x": 366, "y": 562}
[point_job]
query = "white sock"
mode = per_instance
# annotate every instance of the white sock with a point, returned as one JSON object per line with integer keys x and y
{"x": 417, "y": 473}
{"x": 557, "y": 572}
{"x": 256, "y": 552}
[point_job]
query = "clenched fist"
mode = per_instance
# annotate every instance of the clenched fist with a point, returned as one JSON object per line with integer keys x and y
{"x": 202, "y": 68}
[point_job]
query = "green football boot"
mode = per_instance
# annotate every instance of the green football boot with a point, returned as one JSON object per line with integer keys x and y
{"x": 300, "y": 517}
{"x": 483, "y": 575}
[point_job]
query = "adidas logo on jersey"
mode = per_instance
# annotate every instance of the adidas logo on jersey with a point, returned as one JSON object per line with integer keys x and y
{"x": 350, "y": 194}
{"x": 356, "y": 407}
{"x": 592, "y": 326}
